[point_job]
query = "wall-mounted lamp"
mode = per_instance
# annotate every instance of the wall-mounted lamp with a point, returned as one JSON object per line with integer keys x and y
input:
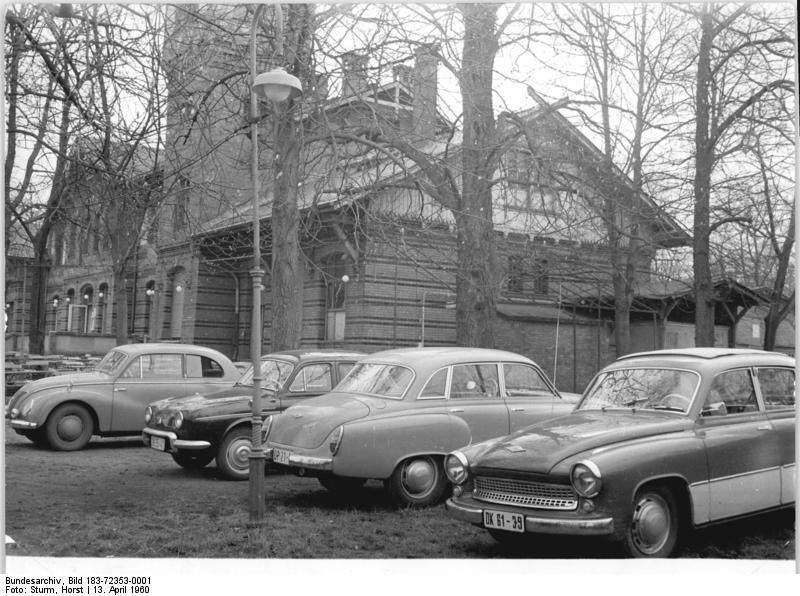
{"x": 67, "y": 299}
{"x": 150, "y": 292}
{"x": 101, "y": 295}
{"x": 179, "y": 288}
{"x": 345, "y": 278}
{"x": 86, "y": 297}
{"x": 55, "y": 302}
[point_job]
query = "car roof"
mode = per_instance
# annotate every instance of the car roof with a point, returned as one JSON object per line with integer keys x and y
{"x": 167, "y": 348}
{"x": 443, "y": 356}
{"x": 707, "y": 357}
{"x": 303, "y": 355}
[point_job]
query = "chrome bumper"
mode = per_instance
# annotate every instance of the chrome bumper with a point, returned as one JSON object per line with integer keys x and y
{"x": 22, "y": 424}
{"x": 173, "y": 440}
{"x": 602, "y": 526}
{"x": 303, "y": 461}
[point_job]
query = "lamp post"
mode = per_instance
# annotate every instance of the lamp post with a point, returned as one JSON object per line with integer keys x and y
{"x": 278, "y": 86}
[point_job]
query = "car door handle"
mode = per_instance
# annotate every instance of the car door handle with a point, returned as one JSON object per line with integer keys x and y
{"x": 120, "y": 388}
{"x": 456, "y": 410}
{"x": 517, "y": 409}
{"x": 764, "y": 427}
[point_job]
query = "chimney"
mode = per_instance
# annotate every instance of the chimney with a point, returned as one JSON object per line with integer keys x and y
{"x": 425, "y": 85}
{"x": 354, "y": 68}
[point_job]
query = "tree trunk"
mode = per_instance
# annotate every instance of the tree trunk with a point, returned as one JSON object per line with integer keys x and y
{"x": 704, "y": 161}
{"x": 476, "y": 283}
{"x": 287, "y": 255}
{"x": 120, "y": 307}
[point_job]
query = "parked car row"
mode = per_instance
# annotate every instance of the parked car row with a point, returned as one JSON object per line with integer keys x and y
{"x": 659, "y": 441}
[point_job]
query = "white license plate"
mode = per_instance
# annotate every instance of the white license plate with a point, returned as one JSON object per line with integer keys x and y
{"x": 158, "y": 443}
{"x": 281, "y": 456}
{"x": 502, "y": 520}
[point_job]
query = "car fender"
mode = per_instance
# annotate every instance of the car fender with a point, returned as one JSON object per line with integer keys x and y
{"x": 372, "y": 447}
{"x": 627, "y": 466}
{"x": 90, "y": 397}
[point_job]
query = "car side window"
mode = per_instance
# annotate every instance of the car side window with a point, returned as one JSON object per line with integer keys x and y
{"x": 314, "y": 377}
{"x": 524, "y": 381}
{"x": 134, "y": 370}
{"x": 436, "y": 385}
{"x": 202, "y": 366}
{"x": 474, "y": 381}
{"x": 777, "y": 387}
{"x": 162, "y": 366}
{"x": 734, "y": 390}
{"x": 344, "y": 368}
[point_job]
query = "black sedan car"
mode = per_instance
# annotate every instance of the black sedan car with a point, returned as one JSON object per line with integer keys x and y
{"x": 199, "y": 428}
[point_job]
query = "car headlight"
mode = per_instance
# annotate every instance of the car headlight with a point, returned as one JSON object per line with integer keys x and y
{"x": 148, "y": 414}
{"x": 586, "y": 479}
{"x": 456, "y": 467}
{"x": 177, "y": 421}
{"x": 336, "y": 440}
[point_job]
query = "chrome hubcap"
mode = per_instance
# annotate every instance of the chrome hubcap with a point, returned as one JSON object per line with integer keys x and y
{"x": 70, "y": 427}
{"x": 239, "y": 454}
{"x": 419, "y": 476}
{"x": 651, "y": 524}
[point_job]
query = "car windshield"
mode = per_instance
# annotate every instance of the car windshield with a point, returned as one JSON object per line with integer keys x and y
{"x": 642, "y": 389}
{"x": 275, "y": 373}
{"x": 381, "y": 380}
{"x": 111, "y": 362}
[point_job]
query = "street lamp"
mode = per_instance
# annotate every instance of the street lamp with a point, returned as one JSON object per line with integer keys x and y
{"x": 278, "y": 86}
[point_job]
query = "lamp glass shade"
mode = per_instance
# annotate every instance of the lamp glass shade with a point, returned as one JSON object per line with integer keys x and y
{"x": 277, "y": 85}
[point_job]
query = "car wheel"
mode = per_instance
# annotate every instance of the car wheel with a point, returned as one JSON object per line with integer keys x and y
{"x": 192, "y": 461}
{"x": 69, "y": 427}
{"x": 653, "y": 529}
{"x": 418, "y": 482}
{"x": 341, "y": 484}
{"x": 233, "y": 457}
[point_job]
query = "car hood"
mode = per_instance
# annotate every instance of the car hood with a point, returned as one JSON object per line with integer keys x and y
{"x": 539, "y": 448}
{"x": 56, "y": 381}
{"x": 229, "y": 401}
{"x": 308, "y": 424}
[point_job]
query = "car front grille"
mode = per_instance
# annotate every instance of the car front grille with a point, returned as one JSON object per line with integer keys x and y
{"x": 524, "y": 493}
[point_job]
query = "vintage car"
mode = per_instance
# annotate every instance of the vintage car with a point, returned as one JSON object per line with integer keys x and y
{"x": 660, "y": 442}
{"x": 199, "y": 428}
{"x": 64, "y": 411}
{"x": 399, "y": 412}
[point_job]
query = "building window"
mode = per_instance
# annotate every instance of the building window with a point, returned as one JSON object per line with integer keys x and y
{"x": 180, "y": 216}
{"x": 102, "y": 297}
{"x": 178, "y": 297}
{"x": 335, "y": 276}
{"x": 149, "y": 297}
{"x": 87, "y": 296}
{"x": 515, "y": 274}
{"x": 541, "y": 278}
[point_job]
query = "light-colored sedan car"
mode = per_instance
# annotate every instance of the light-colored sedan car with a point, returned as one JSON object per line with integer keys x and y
{"x": 64, "y": 411}
{"x": 399, "y": 412}
{"x": 661, "y": 442}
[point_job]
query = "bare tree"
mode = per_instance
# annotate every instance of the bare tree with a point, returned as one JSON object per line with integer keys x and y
{"x": 741, "y": 62}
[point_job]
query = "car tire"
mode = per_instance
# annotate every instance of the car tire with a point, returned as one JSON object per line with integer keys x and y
{"x": 192, "y": 461}
{"x": 233, "y": 456}
{"x": 341, "y": 485}
{"x": 69, "y": 427}
{"x": 653, "y": 528}
{"x": 418, "y": 481}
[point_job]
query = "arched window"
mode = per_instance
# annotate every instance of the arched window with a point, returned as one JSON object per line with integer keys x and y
{"x": 149, "y": 298}
{"x": 178, "y": 298}
{"x": 102, "y": 305}
{"x": 89, "y": 310}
